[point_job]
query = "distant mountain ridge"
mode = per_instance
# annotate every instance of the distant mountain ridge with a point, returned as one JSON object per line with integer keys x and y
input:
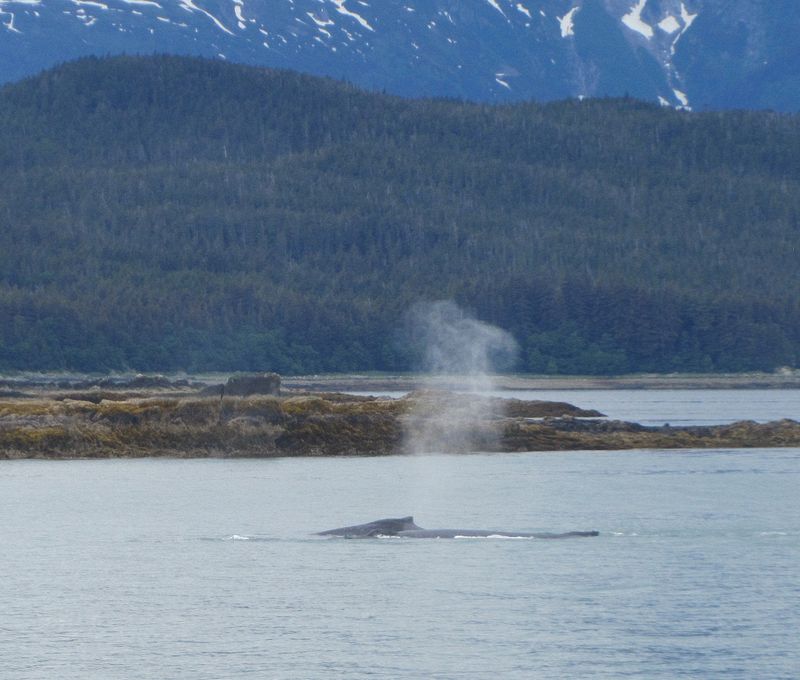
{"x": 704, "y": 54}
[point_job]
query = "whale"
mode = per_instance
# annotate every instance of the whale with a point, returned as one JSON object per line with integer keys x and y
{"x": 380, "y": 527}
{"x": 404, "y": 527}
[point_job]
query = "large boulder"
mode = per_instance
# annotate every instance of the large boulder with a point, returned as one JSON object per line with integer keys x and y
{"x": 148, "y": 382}
{"x": 246, "y": 385}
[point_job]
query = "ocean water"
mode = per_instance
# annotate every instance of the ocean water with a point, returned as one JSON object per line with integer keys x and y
{"x": 676, "y": 407}
{"x": 208, "y": 569}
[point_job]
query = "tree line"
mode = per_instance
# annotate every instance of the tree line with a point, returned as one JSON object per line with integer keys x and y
{"x": 166, "y": 213}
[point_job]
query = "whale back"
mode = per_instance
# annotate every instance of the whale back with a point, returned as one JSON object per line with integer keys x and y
{"x": 404, "y": 527}
{"x": 391, "y": 526}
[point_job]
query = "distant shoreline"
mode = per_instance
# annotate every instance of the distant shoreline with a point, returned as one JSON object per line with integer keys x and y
{"x": 511, "y": 383}
{"x": 15, "y": 382}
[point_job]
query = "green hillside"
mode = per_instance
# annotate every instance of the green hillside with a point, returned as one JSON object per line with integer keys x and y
{"x": 168, "y": 213}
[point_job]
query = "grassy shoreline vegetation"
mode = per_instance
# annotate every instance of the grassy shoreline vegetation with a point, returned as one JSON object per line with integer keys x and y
{"x": 167, "y": 214}
{"x": 191, "y": 421}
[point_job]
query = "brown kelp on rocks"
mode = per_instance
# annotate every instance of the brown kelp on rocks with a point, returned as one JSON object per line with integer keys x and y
{"x": 185, "y": 423}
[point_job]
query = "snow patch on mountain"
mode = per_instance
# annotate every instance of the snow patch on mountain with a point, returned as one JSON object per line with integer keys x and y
{"x": 191, "y": 7}
{"x": 499, "y": 78}
{"x": 9, "y": 24}
{"x": 688, "y": 19}
{"x": 682, "y": 98}
{"x": 340, "y": 7}
{"x": 494, "y": 4}
{"x": 669, "y": 25}
{"x": 521, "y": 8}
{"x": 566, "y": 23}
{"x": 489, "y": 50}
{"x": 238, "y": 10}
{"x": 90, "y": 3}
{"x": 633, "y": 20}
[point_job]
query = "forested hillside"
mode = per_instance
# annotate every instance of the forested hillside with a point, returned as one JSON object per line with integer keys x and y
{"x": 168, "y": 213}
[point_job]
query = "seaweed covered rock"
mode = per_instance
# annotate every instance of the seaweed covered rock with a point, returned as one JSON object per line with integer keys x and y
{"x": 72, "y": 426}
{"x": 247, "y": 385}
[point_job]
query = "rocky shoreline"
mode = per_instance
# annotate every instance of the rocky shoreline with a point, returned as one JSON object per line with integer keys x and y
{"x": 788, "y": 379}
{"x": 23, "y": 383}
{"x": 186, "y": 421}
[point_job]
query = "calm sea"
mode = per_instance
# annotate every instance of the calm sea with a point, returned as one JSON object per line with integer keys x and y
{"x": 207, "y": 569}
{"x": 676, "y": 407}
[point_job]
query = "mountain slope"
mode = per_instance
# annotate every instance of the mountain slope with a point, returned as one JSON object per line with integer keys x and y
{"x": 164, "y": 213}
{"x": 701, "y": 53}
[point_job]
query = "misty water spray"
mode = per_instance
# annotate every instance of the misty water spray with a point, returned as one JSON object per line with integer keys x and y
{"x": 462, "y": 353}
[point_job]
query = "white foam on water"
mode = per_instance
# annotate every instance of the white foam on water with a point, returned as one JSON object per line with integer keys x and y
{"x": 501, "y": 537}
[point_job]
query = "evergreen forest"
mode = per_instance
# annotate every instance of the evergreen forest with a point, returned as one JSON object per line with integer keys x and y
{"x": 165, "y": 213}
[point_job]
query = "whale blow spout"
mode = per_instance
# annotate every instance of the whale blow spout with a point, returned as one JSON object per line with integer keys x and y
{"x": 404, "y": 527}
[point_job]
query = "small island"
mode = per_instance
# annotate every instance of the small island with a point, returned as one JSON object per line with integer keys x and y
{"x": 254, "y": 417}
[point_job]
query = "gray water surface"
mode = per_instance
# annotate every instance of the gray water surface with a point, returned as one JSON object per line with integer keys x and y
{"x": 659, "y": 406}
{"x": 678, "y": 407}
{"x": 203, "y": 569}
